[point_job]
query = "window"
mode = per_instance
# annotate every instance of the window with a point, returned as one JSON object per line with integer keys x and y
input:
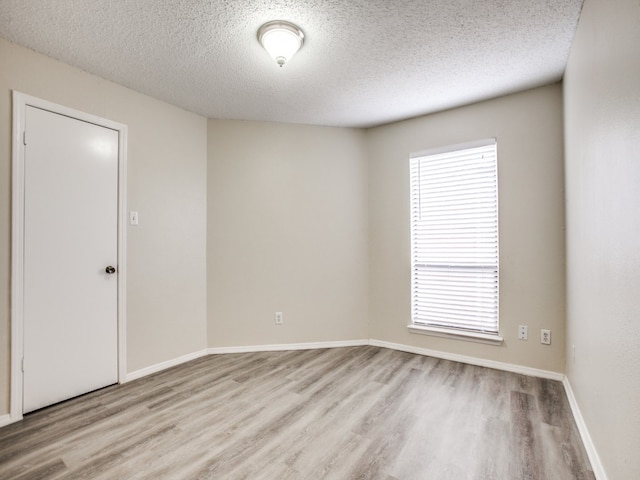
{"x": 454, "y": 240}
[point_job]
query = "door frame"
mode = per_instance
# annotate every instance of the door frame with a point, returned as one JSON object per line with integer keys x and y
{"x": 20, "y": 103}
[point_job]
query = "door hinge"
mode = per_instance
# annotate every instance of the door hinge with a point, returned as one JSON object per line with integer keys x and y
{"x": 22, "y": 365}
{"x": 24, "y": 137}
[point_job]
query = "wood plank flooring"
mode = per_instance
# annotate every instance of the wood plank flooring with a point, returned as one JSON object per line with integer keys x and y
{"x": 343, "y": 413}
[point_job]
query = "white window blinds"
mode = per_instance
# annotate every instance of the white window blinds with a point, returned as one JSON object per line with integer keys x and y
{"x": 454, "y": 239}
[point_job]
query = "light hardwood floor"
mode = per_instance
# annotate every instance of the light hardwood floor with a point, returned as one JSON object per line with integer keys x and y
{"x": 361, "y": 412}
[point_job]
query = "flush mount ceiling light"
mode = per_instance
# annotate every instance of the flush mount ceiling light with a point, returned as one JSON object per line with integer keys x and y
{"x": 281, "y": 40}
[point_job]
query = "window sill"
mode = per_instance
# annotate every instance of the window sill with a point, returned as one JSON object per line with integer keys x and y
{"x": 456, "y": 335}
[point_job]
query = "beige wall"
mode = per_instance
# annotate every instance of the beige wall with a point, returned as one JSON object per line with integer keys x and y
{"x": 602, "y": 128}
{"x": 287, "y": 231}
{"x": 242, "y": 219}
{"x": 528, "y": 128}
{"x": 167, "y": 185}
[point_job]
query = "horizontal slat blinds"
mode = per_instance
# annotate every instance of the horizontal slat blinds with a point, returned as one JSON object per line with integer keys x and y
{"x": 454, "y": 239}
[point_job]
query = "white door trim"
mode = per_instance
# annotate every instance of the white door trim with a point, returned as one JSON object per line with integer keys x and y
{"x": 20, "y": 102}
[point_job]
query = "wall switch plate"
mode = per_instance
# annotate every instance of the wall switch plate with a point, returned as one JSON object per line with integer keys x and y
{"x": 522, "y": 332}
{"x": 279, "y": 318}
{"x": 133, "y": 218}
{"x": 545, "y": 337}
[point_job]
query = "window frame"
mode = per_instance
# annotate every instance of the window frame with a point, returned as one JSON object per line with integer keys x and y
{"x": 438, "y": 329}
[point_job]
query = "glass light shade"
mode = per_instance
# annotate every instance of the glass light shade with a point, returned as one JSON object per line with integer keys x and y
{"x": 281, "y": 40}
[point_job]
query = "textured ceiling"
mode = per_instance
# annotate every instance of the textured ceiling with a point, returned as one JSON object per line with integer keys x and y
{"x": 364, "y": 62}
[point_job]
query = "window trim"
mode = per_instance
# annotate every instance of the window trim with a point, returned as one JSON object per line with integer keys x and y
{"x": 467, "y": 335}
{"x": 477, "y": 336}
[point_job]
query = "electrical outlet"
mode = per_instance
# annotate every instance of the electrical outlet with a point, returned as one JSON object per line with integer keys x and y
{"x": 522, "y": 332}
{"x": 545, "y": 337}
{"x": 279, "y": 319}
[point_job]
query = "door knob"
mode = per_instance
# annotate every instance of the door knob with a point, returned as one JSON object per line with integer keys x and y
{"x": 110, "y": 270}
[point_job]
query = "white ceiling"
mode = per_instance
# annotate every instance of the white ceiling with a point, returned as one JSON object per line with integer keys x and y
{"x": 364, "y": 62}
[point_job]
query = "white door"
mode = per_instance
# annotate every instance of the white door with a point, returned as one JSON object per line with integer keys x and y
{"x": 70, "y": 241}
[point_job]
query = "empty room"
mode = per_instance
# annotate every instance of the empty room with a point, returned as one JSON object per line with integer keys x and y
{"x": 326, "y": 239}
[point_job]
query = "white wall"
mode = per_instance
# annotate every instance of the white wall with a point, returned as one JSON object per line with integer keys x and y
{"x": 166, "y": 183}
{"x": 602, "y": 129}
{"x": 287, "y": 231}
{"x": 528, "y": 128}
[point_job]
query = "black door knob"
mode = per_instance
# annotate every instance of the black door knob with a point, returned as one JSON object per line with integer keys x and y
{"x": 110, "y": 270}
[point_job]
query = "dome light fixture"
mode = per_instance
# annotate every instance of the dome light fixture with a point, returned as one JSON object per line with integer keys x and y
{"x": 281, "y": 40}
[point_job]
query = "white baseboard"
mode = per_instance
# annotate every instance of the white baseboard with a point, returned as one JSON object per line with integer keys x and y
{"x": 143, "y": 372}
{"x": 287, "y": 346}
{"x": 6, "y": 420}
{"x": 594, "y": 458}
{"x": 480, "y": 362}
{"x": 596, "y": 464}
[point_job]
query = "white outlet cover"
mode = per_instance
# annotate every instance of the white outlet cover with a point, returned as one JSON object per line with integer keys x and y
{"x": 545, "y": 337}
{"x": 522, "y": 332}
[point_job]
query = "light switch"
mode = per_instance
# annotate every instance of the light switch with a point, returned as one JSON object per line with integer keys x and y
{"x": 133, "y": 218}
